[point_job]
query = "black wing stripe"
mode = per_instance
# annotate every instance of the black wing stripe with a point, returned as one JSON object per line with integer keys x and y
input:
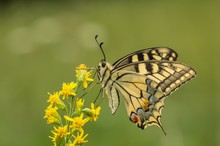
{"x": 156, "y": 53}
{"x": 140, "y": 57}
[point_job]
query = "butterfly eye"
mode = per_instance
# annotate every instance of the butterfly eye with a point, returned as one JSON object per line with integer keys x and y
{"x": 103, "y": 63}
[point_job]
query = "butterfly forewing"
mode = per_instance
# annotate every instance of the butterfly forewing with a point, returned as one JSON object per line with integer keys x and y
{"x": 157, "y": 53}
{"x": 144, "y": 78}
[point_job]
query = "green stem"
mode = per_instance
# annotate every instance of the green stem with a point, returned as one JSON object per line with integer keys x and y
{"x": 74, "y": 101}
{"x": 70, "y": 112}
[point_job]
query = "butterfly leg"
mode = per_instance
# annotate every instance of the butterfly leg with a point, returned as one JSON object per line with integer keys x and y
{"x": 87, "y": 91}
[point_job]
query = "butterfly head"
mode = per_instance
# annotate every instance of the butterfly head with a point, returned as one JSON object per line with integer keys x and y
{"x": 103, "y": 70}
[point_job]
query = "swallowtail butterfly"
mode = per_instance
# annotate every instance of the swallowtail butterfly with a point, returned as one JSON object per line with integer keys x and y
{"x": 144, "y": 78}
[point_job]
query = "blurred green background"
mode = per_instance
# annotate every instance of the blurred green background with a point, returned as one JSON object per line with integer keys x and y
{"x": 41, "y": 43}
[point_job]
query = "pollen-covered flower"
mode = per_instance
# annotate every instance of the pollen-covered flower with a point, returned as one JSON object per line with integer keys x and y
{"x": 77, "y": 122}
{"x": 58, "y": 134}
{"x": 80, "y": 139}
{"x": 53, "y": 117}
{"x": 83, "y": 75}
{"x": 54, "y": 100}
{"x": 67, "y": 89}
{"x": 62, "y": 131}
{"x": 93, "y": 112}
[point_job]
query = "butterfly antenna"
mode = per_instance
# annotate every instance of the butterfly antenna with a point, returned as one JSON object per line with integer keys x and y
{"x": 100, "y": 46}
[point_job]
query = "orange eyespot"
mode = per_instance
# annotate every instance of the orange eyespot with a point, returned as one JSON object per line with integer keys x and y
{"x": 134, "y": 118}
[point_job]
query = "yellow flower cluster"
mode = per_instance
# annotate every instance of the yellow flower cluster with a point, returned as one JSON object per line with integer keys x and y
{"x": 82, "y": 75}
{"x": 69, "y": 130}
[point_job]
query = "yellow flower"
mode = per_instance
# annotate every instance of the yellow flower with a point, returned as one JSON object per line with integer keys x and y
{"x": 83, "y": 75}
{"x": 81, "y": 67}
{"x": 95, "y": 112}
{"x": 54, "y": 100}
{"x": 77, "y": 122}
{"x": 52, "y": 120}
{"x": 53, "y": 117}
{"x": 62, "y": 131}
{"x": 58, "y": 134}
{"x": 80, "y": 139}
{"x": 85, "y": 84}
{"x": 69, "y": 130}
{"x": 79, "y": 105}
{"x": 67, "y": 89}
{"x": 92, "y": 113}
{"x": 54, "y": 138}
{"x": 70, "y": 144}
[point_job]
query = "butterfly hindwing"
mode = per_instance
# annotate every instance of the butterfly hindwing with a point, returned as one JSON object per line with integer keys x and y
{"x": 144, "y": 86}
{"x": 137, "y": 96}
